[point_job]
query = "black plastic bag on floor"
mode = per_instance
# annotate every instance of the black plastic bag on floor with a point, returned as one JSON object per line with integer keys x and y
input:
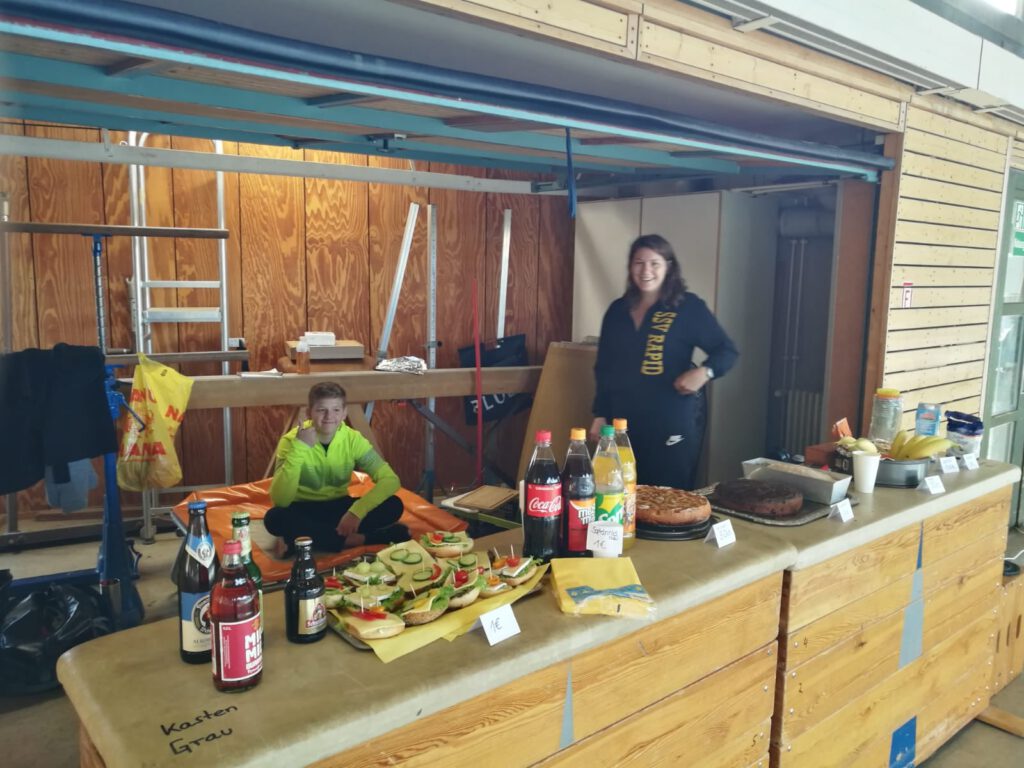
{"x": 36, "y": 629}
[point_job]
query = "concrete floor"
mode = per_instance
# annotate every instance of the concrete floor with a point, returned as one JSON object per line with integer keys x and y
{"x": 42, "y": 731}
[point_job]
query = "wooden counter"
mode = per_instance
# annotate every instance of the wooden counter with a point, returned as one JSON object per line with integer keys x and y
{"x": 696, "y": 683}
{"x": 888, "y": 624}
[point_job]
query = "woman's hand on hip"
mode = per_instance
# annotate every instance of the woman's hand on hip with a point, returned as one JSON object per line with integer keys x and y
{"x": 690, "y": 382}
{"x": 595, "y": 428}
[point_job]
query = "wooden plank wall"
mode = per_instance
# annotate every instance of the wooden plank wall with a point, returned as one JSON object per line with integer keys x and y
{"x": 303, "y": 254}
{"x": 947, "y": 223}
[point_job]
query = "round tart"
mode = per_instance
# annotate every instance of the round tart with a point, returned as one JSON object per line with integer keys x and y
{"x": 758, "y": 497}
{"x": 661, "y": 505}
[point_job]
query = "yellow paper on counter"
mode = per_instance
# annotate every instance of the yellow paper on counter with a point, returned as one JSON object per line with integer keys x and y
{"x": 450, "y": 625}
{"x": 606, "y": 586}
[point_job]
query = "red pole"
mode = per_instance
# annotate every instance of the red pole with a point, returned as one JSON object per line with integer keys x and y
{"x": 479, "y": 390}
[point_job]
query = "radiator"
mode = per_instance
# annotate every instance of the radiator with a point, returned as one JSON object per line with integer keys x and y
{"x": 801, "y": 422}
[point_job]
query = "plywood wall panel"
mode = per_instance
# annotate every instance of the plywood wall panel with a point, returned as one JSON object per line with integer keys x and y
{"x": 22, "y": 290}
{"x": 273, "y": 285}
{"x": 118, "y": 254}
{"x": 461, "y": 244}
{"x": 195, "y": 206}
{"x": 554, "y": 274}
{"x": 14, "y": 184}
{"x": 62, "y": 191}
{"x": 337, "y": 253}
{"x": 398, "y": 427}
{"x": 302, "y": 254}
{"x": 159, "y": 193}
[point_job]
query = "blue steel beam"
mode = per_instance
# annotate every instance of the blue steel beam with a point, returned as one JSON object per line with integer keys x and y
{"x": 146, "y": 50}
{"x": 83, "y": 76}
{"x": 118, "y": 117}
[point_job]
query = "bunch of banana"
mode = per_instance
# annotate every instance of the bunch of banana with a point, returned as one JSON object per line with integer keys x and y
{"x": 906, "y": 447}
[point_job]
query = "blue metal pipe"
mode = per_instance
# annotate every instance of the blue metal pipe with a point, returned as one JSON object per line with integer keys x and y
{"x": 111, "y": 17}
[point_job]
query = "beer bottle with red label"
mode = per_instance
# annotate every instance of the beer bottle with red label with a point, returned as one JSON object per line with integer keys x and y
{"x": 542, "y": 517}
{"x": 236, "y": 626}
{"x": 577, "y": 495}
{"x": 304, "y": 611}
{"x": 195, "y": 578}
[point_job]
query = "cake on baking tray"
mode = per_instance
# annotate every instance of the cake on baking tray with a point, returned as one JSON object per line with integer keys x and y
{"x": 758, "y": 497}
{"x": 661, "y": 505}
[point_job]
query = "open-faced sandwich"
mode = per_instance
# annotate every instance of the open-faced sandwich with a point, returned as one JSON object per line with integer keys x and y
{"x": 371, "y": 624}
{"x": 467, "y": 585}
{"x": 334, "y": 591}
{"x": 369, "y": 573}
{"x": 467, "y": 561}
{"x": 493, "y": 585}
{"x": 446, "y": 544}
{"x": 402, "y": 557}
{"x": 422, "y": 579}
{"x": 428, "y": 607}
{"x": 385, "y": 596}
{"x": 515, "y": 570}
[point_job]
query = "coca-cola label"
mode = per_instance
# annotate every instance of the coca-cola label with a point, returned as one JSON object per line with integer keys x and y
{"x": 581, "y": 515}
{"x": 195, "y": 622}
{"x": 239, "y": 649}
{"x": 312, "y": 616}
{"x": 201, "y": 549}
{"x": 544, "y": 500}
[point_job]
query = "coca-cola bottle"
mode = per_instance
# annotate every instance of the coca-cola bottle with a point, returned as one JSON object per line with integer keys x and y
{"x": 542, "y": 523}
{"x": 577, "y": 495}
{"x": 235, "y": 625}
{"x": 304, "y": 612}
{"x": 195, "y": 579}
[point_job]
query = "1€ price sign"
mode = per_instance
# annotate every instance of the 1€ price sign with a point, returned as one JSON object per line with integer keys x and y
{"x": 949, "y": 464}
{"x": 970, "y": 461}
{"x": 932, "y": 484}
{"x": 499, "y": 624}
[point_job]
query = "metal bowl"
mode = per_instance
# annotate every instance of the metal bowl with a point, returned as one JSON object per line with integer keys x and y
{"x": 901, "y": 474}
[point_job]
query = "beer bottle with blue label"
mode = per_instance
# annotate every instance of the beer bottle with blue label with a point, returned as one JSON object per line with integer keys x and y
{"x": 195, "y": 580}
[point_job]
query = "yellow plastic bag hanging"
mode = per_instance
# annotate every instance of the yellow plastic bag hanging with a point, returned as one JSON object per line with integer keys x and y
{"x": 159, "y": 397}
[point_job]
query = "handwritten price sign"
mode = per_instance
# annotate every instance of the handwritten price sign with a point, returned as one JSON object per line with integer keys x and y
{"x": 499, "y": 624}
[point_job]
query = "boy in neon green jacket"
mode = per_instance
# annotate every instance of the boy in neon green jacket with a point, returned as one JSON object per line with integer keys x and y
{"x": 311, "y": 477}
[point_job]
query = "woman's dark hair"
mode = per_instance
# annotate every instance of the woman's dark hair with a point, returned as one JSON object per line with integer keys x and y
{"x": 326, "y": 390}
{"x": 673, "y": 288}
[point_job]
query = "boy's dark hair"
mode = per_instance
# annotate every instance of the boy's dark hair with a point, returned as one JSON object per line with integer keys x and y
{"x": 326, "y": 390}
{"x": 674, "y": 286}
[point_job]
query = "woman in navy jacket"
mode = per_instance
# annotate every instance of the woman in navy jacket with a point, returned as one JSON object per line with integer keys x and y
{"x": 644, "y": 371}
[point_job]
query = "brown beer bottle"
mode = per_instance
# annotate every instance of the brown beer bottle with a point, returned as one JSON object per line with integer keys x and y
{"x": 195, "y": 578}
{"x": 304, "y": 610}
{"x": 236, "y": 625}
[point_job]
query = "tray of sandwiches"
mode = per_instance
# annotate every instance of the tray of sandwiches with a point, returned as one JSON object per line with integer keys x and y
{"x": 415, "y": 592}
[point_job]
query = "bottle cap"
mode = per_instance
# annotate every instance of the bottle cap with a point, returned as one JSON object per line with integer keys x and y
{"x": 197, "y": 506}
{"x": 303, "y": 541}
{"x": 620, "y": 425}
{"x": 607, "y": 431}
{"x": 577, "y": 433}
{"x": 232, "y": 547}
{"x": 543, "y": 436}
{"x": 887, "y": 392}
{"x": 239, "y": 516}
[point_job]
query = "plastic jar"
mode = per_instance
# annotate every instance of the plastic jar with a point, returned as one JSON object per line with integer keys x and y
{"x": 927, "y": 420}
{"x": 886, "y": 415}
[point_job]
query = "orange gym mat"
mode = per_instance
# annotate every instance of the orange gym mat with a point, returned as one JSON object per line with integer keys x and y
{"x": 254, "y": 498}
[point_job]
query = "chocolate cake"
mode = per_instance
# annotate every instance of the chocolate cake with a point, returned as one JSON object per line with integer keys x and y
{"x": 758, "y": 497}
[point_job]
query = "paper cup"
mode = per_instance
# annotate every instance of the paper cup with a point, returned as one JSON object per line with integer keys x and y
{"x": 865, "y": 470}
